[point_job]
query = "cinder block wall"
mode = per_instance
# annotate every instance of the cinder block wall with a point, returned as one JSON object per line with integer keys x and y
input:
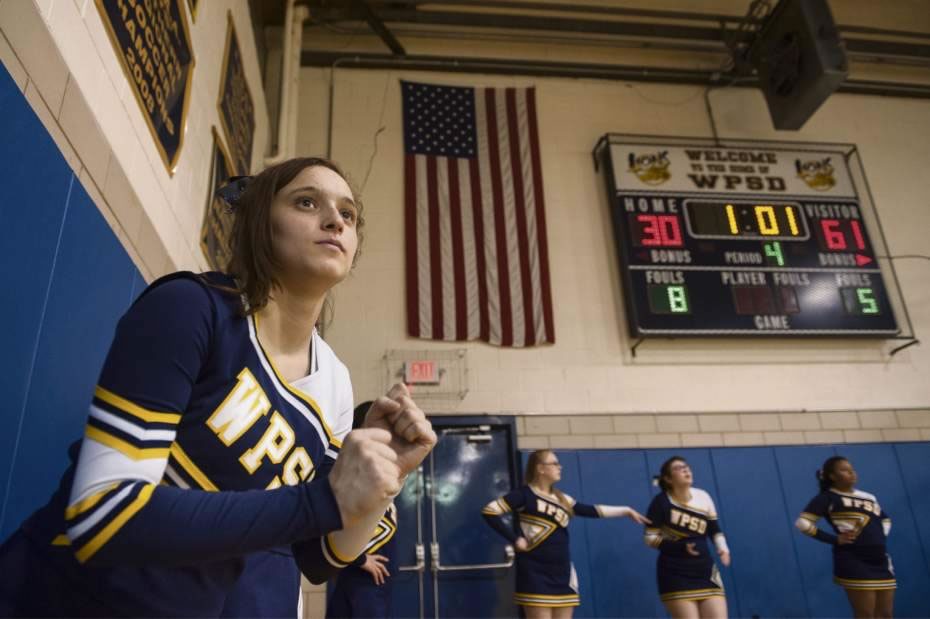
{"x": 721, "y": 429}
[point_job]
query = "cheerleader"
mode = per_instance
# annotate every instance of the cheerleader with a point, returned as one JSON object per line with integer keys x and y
{"x": 547, "y": 586}
{"x": 860, "y": 563}
{"x": 683, "y": 517}
{"x": 200, "y": 487}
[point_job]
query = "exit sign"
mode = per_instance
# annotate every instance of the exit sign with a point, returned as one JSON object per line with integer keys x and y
{"x": 421, "y": 373}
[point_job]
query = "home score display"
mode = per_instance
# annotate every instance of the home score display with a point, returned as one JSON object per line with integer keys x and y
{"x": 748, "y": 240}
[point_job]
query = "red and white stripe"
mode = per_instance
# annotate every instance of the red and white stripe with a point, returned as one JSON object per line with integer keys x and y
{"x": 477, "y": 256}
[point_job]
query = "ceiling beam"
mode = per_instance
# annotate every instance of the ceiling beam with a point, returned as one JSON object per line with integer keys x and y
{"x": 378, "y": 25}
{"x": 627, "y": 73}
{"x": 660, "y": 28}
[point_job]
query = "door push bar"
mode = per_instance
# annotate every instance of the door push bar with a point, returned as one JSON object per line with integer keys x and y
{"x": 421, "y": 561}
{"x": 436, "y": 566}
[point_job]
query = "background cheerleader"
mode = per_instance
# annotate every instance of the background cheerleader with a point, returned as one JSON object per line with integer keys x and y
{"x": 683, "y": 517}
{"x": 363, "y": 588}
{"x": 547, "y": 585}
{"x": 861, "y": 564}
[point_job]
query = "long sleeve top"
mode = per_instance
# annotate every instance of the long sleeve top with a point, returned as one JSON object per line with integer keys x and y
{"x": 675, "y": 526}
{"x": 382, "y": 542}
{"x": 196, "y": 452}
{"x": 541, "y": 519}
{"x": 858, "y": 512}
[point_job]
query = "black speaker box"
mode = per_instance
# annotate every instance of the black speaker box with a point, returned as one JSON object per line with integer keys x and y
{"x": 800, "y": 58}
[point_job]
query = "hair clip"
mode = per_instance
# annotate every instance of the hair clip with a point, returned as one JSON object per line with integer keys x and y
{"x": 233, "y": 190}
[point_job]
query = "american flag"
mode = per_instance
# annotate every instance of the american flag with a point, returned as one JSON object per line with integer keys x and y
{"x": 477, "y": 257}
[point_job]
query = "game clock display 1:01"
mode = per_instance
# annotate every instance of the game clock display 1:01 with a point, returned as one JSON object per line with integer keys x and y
{"x": 726, "y": 219}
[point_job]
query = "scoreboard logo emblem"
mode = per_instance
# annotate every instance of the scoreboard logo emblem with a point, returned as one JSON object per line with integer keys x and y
{"x": 651, "y": 168}
{"x": 818, "y": 174}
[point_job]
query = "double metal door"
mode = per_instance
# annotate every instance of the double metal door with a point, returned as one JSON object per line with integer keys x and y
{"x": 450, "y": 563}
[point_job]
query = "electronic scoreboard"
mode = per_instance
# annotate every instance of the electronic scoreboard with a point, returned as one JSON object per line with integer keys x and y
{"x": 756, "y": 239}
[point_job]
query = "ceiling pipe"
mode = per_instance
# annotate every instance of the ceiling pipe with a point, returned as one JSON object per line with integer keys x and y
{"x": 294, "y": 18}
{"x": 490, "y": 66}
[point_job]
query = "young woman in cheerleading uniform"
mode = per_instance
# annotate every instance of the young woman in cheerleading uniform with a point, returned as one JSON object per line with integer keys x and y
{"x": 683, "y": 518}
{"x": 861, "y": 564}
{"x": 207, "y": 478}
{"x": 547, "y": 586}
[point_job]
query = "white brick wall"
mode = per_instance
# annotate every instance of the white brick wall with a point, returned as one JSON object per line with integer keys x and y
{"x": 720, "y": 429}
{"x": 61, "y": 57}
{"x": 765, "y": 421}
{"x": 913, "y": 419}
{"x": 591, "y": 424}
{"x": 825, "y": 437}
{"x": 863, "y": 436}
{"x": 590, "y": 369}
{"x": 677, "y": 423}
{"x": 878, "y": 419}
{"x": 706, "y": 439}
{"x": 718, "y": 423}
{"x": 799, "y": 421}
{"x": 741, "y": 439}
{"x": 546, "y": 425}
{"x": 635, "y": 424}
{"x": 833, "y": 421}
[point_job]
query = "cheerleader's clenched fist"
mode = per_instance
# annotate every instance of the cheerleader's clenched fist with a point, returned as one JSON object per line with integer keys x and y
{"x": 412, "y": 436}
{"x": 365, "y": 475}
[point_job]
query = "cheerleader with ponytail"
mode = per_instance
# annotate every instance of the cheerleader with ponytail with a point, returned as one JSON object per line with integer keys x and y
{"x": 861, "y": 564}
{"x": 547, "y": 586}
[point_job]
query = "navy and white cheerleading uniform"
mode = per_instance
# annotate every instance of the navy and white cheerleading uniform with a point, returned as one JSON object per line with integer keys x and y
{"x": 863, "y": 564}
{"x": 354, "y": 593}
{"x": 675, "y": 530}
{"x": 545, "y": 574}
{"x": 198, "y": 487}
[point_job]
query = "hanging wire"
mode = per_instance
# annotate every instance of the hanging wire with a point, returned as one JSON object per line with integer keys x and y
{"x": 737, "y": 65}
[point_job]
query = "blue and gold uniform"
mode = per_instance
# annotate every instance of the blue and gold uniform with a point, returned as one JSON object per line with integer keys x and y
{"x": 194, "y": 490}
{"x": 354, "y": 593}
{"x": 545, "y": 574}
{"x": 863, "y": 564}
{"x": 685, "y": 569}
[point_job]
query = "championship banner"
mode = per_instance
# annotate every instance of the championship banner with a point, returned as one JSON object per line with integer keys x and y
{"x": 218, "y": 220}
{"x": 236, "y": 110}
{"x": 152, "y": 42}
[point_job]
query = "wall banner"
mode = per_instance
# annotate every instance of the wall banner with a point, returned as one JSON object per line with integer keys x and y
{"x": 235, "y": 107}
{"x": 153, "y": 44}
{"x": 216, "y": 232}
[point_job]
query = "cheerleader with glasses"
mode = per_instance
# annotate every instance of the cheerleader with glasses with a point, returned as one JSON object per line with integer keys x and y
{"x": 683, "y": 517}
{"x": 547, "y": 586}
{"x": 861, "y": 564}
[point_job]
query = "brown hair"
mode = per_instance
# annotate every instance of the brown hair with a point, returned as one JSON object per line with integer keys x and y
{"x": 824, "y": 479}
{"x": 253, "y": 262}
{"x": 666, "y": 471}
{"x": 530, "y": 475}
